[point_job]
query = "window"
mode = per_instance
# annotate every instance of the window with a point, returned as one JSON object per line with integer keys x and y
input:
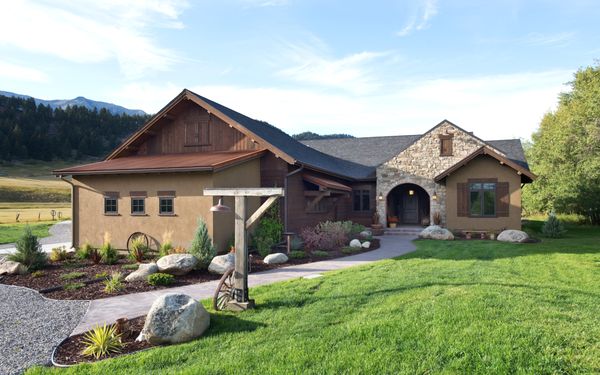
{"x": 165, "y": 206}
{"x": 321, "y": 206}
{"x": 446, "y": 145}
{"x": 482, "y": 199}
{"x": 138, "y": 205}
{"x": 110, "y": 203}
{"x": 361, "y": 200}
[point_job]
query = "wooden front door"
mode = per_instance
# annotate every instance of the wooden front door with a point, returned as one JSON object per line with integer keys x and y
{"x": 410, "y": 209}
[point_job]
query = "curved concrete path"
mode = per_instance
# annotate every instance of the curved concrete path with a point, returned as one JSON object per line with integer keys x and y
{"x": 108, "y": 310}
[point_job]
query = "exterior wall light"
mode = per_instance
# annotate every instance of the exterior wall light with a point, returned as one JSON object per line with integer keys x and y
{"x": 411, "y": 192}
{"x": 380, "y": 196}
{"x": 434, "y": 196}
{"x": 220, "y": 207}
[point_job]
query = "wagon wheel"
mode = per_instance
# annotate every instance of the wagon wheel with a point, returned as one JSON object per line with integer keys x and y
{"x": 135, "y": 236}
{"x": 224, "y": 292}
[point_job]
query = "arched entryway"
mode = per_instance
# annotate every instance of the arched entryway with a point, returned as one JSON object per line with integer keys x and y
{"x": 408, "y": 204}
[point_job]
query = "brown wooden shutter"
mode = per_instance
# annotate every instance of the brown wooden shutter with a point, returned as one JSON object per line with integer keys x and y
{"x": 462, "y": 199}
{"x": 502, "y": 199}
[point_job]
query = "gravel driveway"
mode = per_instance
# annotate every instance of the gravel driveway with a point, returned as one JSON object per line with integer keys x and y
{"x": 31, "y": 326}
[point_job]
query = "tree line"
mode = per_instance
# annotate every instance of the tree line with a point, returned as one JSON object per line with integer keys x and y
{"x": 565, "y": 152}
{"x": 30, "y": 131}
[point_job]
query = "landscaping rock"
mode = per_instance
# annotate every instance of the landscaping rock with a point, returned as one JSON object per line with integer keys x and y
{"x": 366, "y": 245}
{"x": 365, "y": 234}
{"x": 221, "y": 263}
{"x": 12, "y": 268}
{"x": 511, "y": 235}
{"x": 435, "y": 232}
{"x": 173, "y": 319}
{"x": 276, "y": 258}
{"x": 177, "y": 264}
{"x": 355, "y": 243}
{"x": 142, "y": 273}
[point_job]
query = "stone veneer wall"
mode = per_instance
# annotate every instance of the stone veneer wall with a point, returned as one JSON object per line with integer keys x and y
{"x": 421, "y": 162}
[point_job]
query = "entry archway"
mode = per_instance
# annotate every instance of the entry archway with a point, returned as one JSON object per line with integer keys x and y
{"x": 408, "y": 204}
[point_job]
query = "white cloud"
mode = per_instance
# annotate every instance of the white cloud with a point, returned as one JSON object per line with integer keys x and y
{"x": 21, "y": 73}
{"x": 313, "y": 66}
{"x": 93, "y": 31}
{"x": 426, "y": 10}
{"x": 539, "y": 39}
{"x": 494, "y": 107}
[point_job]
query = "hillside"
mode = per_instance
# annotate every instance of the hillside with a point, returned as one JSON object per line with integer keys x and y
{"x": 307, "y": 136}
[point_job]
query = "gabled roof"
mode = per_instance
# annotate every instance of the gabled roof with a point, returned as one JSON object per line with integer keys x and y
{"x": 188, "y": 162}
{"x": 526, "y": 175}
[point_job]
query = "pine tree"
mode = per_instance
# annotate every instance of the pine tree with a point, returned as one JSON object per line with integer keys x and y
{"x": 202, "y": 247}
{"x": 553, "y": 227}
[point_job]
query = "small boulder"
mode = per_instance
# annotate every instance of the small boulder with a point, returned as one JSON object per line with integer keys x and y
{"x": 512, "y": 235}
{"x": 174, "y": 318}
{"x": 355, "y": 243}
{"x": 366, "y": 244}
{"x": 365, "y": 234}
{"x": 12, "y": 268}
{"x": 435, "y": 232}
{"x": 276, "y": 258}
{"x": 142, "y": 273}
{"x": 221, "y": 263}
{"x": 177, "y": 264}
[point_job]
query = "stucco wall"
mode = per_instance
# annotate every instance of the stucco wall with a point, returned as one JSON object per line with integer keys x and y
{"x": 421, "y": 162}
{"x": 484, "y": 167}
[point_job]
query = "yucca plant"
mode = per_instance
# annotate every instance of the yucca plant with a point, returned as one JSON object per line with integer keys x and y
{"x": 109, "y": 254}
{"x": 113, "y": 284}
{"x": 102, "y": 341}
{"x": 138, "y": 250}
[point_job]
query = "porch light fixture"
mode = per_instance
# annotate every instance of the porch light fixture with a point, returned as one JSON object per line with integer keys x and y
{"x": 411, "y": 192}
{"x": 434, "y": 196}
{"x": 220, "y": 207}
{"x": 380, "y": 196}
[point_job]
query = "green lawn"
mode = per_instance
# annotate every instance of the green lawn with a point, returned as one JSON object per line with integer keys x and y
{"x": 11, "y": 232}
{"x": 477, "y": 307}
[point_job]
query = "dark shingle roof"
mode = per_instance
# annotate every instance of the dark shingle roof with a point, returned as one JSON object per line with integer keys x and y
{"x": 513, "y": 150}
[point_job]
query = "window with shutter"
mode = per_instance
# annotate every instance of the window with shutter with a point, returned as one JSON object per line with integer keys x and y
{"x": 197, "y": 132}
{"x": 462, "y": 195}
{"x": 502, "y": 199}
{"x": 446, "y": 145}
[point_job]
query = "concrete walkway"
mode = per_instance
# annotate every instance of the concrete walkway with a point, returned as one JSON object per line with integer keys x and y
{"x": 107, "y": 310}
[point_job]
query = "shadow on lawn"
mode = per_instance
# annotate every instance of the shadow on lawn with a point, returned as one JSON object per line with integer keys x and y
{"x": 221, "y": 323}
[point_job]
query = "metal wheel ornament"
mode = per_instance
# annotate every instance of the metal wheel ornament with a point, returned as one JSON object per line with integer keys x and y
{"x": 224, "y": 292}
{"x": 135, "y": 236}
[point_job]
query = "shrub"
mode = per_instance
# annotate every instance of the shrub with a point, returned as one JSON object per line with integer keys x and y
{"x": 296, "y": 243}
{"x": 37, "y": 274}
{"x": 268, "y": 232}
{"x": 165, "y": 249}
{"x": 350, "y": 250}
{"x": 29, "y": 252}
{"x": 109, "y": 254}
{"x": 59, "y": 253}
{"x": 138, "y": 250}
{"x": 101, "y": 275}
{"x": 94, "y": 255}
{"x": 134, "y": 266}
{"x": 72, "y": 275}
{"x": 297, "y": 254}
{"x": 553, "y": 227}
{"x": 84, "y": 251}
{"x": 73, "y": 286}
{"x": 202, "y": 247}
{"x": 102, "y": 341}
{"x": 320, "y": 253}
{"x": 159, "y": 278}
{"x": 113, "y": 284}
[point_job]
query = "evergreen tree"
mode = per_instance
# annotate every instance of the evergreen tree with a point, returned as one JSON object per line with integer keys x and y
{"x": 202, "y": 247}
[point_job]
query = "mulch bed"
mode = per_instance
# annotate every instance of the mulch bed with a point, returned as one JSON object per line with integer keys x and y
{"x": 69, "y": 351}
{"x": 50, "y": 283}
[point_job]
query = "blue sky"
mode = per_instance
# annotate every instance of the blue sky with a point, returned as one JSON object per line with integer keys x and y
{"x": 365, "y": 68}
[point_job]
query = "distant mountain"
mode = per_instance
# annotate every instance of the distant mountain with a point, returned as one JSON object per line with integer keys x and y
{"x": 307, "y": 136}
{"x": 80, "y": 101}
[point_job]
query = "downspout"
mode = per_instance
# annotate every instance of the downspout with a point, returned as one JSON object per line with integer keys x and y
{"x": 72, "y": 209}
{"x": 285, "y": 189}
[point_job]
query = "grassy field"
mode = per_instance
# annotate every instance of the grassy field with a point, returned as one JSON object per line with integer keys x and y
{"x": 10, "y": 233}
{"x": 29, "y": 211}
{"x": 32, "y": 181}
{"x": 477, "y": 307}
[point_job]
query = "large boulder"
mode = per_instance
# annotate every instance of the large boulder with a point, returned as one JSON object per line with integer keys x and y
{"x": 174, "y": 318}
{"x": 365, "y": 234}
{"x": 355, "y": 243}
{"x": 142, "y": 273}
{"x": 276, "y": 258}
{"x": 435, "y": 232}
{"x": 221, "y": 263}
{"x": 366, "y": 244}
{"x": 177, "y": 264}
{"x": 512, "y": 235}
{"x": 9, "y": 267}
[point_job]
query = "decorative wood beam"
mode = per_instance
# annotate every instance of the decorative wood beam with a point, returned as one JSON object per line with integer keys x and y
{"x": 261, "y": 210}
{"x": 315, "y": 193}
{"x": 316, "y": 201}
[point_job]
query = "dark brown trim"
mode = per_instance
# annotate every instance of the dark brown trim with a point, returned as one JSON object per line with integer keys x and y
{"x": 483, "y": 181}
{"x": 172, "y": 198}
{"x": 166, "y": 193}
{"x": 138, "y": 194}
{"x": 112, "y": 194}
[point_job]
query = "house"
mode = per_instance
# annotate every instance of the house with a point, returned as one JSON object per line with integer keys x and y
{"x": 153, "y": 182}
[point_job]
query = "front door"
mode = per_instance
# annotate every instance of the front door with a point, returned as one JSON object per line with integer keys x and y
{"x": 410, "y": 209}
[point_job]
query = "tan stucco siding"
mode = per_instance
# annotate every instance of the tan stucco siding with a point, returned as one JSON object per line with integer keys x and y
{"x": 484, "y": 167}
{"x": 189, "y": 203}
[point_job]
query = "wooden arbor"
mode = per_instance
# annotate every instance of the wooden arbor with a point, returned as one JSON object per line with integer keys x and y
{"x": 238, "y": 287}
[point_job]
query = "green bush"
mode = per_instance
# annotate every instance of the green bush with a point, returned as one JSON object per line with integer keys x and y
{"x": 159, "y": 278}
{"x": 72, "y": 275}
{"x": 165, "y": 249}
{"x": 350, "y": 250}
{"x": 109, "y": 254}
{"x": 102, "y": 341}
{"x": 268, "y": 231}
{"x": 553, "y": 227}
{"x": 37, "y": 274}
{"x": 296, "y": 243}
{"x": 59, "y": 253}
{"x": 320, "y": 253}
{"x": 134, "y": 266}
{"x": 202, "y": 247}
{"x": 138, "y": 250}
{"x": 114, "y": 283}
{"x": 84, "y": 251}
{"x": 73, "y": 286}
{"x": 297, "y": 254}
{"x": 29, "y": 251}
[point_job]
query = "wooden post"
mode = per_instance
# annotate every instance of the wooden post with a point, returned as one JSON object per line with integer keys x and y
{"x": 240, "y": 276}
